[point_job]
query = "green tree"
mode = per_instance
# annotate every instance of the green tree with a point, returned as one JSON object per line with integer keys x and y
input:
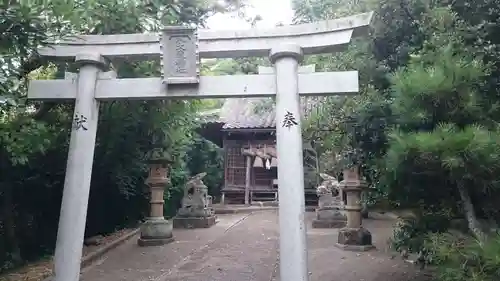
{"x": 34, "y": 135}
{"x": 403, "y": 64}
{"x": 443, "y": 119}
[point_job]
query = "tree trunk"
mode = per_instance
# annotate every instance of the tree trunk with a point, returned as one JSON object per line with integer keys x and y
{"x": 10, "y": 231}
{"x": 470, "y": 214}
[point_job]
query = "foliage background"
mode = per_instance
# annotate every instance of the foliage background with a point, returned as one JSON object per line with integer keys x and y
{"x": 424, "y": 128}
{"x": 34, "y": 136}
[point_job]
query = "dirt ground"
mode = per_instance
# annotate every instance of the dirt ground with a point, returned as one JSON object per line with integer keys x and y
{"x": 243, "y": 247}
{"x": 39, "y": 270}
{"x": 329, "y": 263}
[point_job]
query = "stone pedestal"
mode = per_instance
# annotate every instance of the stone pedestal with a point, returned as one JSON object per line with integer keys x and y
{"x": 196, "y": 210}
{"x": 156, "y": 230}
{"x": 354, "y": 237}
{"x": 329, "y": 217}
{"x": 194, "y": 222}
{"x": 194, "y": 218}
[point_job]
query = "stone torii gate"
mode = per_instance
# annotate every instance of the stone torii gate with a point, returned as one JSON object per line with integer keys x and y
{"x": 179, "y": 49}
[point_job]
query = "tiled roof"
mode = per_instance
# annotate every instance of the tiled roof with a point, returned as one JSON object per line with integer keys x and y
{"x": 251, "y": 113}
{"x": 247, "y": 113}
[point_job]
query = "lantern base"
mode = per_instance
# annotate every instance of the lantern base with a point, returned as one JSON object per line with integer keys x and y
{"x": 355, "y": 239}
{"x": 154, "y": 242}
{"x": 194, "y": 222}
{"x": 155, "y": 232}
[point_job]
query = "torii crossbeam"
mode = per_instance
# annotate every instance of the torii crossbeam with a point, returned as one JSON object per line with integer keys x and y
{"x": 179, "y": 51}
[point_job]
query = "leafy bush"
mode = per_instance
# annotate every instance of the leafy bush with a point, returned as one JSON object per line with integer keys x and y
{"x": 459, "y": 258}
{"x": 205, "y": 156}
{"x": 455, "y": 256}
{"x": 410, "y": 232}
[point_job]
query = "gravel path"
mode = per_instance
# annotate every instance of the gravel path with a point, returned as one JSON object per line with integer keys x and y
{"x": 130, "y": 262}
{"x": 245, "y": 253}
{"x": 244, "y": 247}
{"x": 329, "y": 263}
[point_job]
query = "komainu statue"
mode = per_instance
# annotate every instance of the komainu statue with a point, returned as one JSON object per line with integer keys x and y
{"x": 196, "y": 202}
{"x": 329, "y": 193}
{"x": 328, "y": 213}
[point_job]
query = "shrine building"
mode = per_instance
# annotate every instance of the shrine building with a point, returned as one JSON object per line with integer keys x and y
{"x": 246, "y": 130}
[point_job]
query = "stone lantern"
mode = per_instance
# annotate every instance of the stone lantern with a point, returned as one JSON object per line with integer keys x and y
{"x": 156, "y": 230}
{"x": 354, "y": 237}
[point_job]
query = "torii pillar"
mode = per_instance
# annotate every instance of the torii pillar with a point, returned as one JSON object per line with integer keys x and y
{"x": 74, "y": 204}
{"x": 293, "y": 265}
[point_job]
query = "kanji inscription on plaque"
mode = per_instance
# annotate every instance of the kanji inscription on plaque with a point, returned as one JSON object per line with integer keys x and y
{"x": 180, "y": 60}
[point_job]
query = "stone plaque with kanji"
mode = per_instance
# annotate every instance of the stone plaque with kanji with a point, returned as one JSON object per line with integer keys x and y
{"x": 180, "y": 59}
